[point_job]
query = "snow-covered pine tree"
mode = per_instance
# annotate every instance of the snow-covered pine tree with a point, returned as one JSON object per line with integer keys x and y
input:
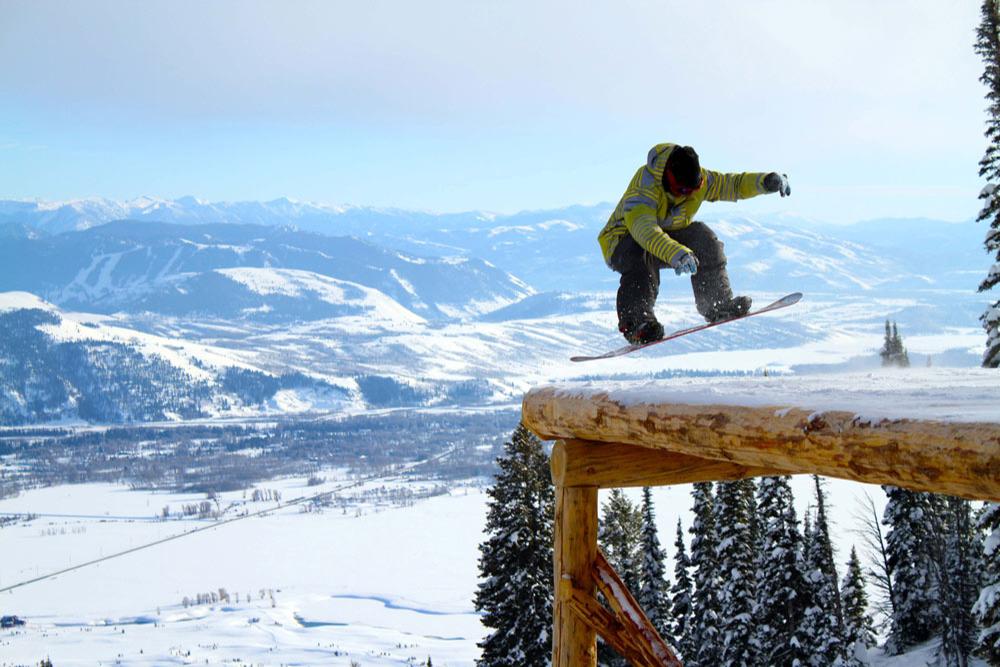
{"x": 737, "y": 555}
{"x": 704, "y": 631}
{"x": 886, "y": 351}
{"x": 825, "y": 544}
{"x": 620, "y": 537}
{"x": 988, "y": 47}
{"x": 680, "y": 597}
{"x": 960, "y": 568}
{"x": 987, "y": 608}
{"x": 782, "y": 591}
{"x": 515, "y": 596}
{"x": 654, "y": 589}
{"x": 893, "y": 351}
{"x": 908, "y": 515}
{"x": 902, "y": 358}
{"x": 807, "y": 534}
{"x": 823, "y": 621}
{"x": 858, "y": 625}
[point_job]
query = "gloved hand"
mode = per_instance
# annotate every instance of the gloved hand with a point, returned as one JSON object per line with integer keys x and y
{"x": 775, "y": 182}
{"x": 684, "y": 262}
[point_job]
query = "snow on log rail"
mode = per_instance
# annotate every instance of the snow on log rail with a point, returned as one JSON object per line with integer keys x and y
{"x": 929, "y": 430}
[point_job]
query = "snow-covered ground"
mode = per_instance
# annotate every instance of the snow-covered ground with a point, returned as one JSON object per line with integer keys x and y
{"x": 376, "y": 582}
{"x": 372, "y": 582}
{"x": 385, "y": 584}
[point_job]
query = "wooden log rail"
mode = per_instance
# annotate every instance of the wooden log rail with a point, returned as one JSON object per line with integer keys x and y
{"x": 605, "y": 442}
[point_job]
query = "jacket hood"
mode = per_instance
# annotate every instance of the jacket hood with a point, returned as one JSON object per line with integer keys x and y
{"x": 656, "y": 160}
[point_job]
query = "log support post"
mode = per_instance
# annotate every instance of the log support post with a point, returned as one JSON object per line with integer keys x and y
{"x": 580, "y": 570}
{"x": 574, "y": 643}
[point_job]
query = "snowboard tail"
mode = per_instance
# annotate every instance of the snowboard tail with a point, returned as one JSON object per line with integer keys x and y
{"x": 783, "y": 302}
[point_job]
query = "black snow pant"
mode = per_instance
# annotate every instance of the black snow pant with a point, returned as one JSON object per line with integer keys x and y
{"x": 640, "y": 281}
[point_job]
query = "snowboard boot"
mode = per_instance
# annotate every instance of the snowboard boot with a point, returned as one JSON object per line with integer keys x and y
{"x": 727, "y": 310}
{"x": 645, "y": 332}
{"x": 714, "y": 297}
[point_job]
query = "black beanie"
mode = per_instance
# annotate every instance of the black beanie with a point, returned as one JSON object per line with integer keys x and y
{"x": 683, "y": 164}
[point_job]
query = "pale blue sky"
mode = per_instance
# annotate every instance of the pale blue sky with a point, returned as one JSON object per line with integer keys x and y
{"x": 873, "y": 109}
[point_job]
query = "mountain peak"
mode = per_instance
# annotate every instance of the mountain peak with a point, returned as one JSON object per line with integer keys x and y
{"x": 24, "y": 301}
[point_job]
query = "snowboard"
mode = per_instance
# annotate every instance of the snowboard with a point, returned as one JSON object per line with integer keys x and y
{"x": 783, "y": 302}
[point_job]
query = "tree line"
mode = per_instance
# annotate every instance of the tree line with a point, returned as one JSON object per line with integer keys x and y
{"x": 751, "y": 584}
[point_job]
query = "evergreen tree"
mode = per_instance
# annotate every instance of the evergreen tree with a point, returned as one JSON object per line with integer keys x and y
{"x": 704, "y": 630}
{"x": 858, "y": 625}
{"x": 782, "y": 591}
{"x": 908, "y": 515}
{"x": 987, "y": 608}
{"x": 988, "y": 47}
{"x": 654, "y": 590}
{"x": 901, "y": 356}
{"x": 515, "y": 562}
{"x": 620, "y": 537}
{"x": 960, "y": 567}
{"x": 737, "y": 552}
{"x": 824, "y": 619}
{"x": 893, "y": 352}
{"x": 886, "y": 352}
{"x": 680, "y": 601}
{"x": 825, "y": 546}
{"x": 807, "y": 537}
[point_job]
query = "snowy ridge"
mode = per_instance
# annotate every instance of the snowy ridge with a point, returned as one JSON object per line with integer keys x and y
{"x": 23, "y": 301}
{"x": 781, "y": 252}
{"x": 953, "y": 395}
{"x": 298, "y": 284}
{"x": 177, "y": 270}
{"x": 75, "y": 366}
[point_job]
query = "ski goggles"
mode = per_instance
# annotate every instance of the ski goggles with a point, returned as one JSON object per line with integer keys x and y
{"x": 682, "y": 190}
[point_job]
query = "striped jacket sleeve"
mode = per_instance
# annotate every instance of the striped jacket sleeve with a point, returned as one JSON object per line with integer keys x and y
{"x": 642, "y": 225}
{"x": 732, "y": 187}
{"x": 639, "y": 208}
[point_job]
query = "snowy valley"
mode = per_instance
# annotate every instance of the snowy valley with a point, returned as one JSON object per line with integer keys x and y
{"x": 170, "y": 365}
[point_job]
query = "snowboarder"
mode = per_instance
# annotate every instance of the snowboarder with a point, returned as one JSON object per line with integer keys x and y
{"x": 652, "y": 229}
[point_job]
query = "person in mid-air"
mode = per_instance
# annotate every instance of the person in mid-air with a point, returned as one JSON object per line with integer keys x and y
{"x": 652, "y": 228}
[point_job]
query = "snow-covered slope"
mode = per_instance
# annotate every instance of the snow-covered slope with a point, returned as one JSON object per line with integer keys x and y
{"x": 385, "y": 356}
{"x": 11, "y": 301}
{"x": 157, "y": 267}
{"x": 441, "y": 326}
{"x": 557, "y": 249}
{"x": 57, "y": 366}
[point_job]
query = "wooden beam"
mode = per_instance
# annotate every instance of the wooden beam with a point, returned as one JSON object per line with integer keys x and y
{"x": 610, "y": 465}
{"x": 574, "y": 642}
{"x": 607, "y": 625}
{"x": 651, "y": 649}
{"x": 959, "y": 459}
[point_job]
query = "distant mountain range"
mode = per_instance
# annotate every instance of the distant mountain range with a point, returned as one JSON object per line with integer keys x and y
{"x": 557, "y": 249}
{"x": 247, "y": 271}
{"x": 157, "y": 309}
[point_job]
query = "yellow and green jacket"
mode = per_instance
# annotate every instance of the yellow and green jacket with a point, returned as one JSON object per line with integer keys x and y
{"x": 649, "y": 213}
